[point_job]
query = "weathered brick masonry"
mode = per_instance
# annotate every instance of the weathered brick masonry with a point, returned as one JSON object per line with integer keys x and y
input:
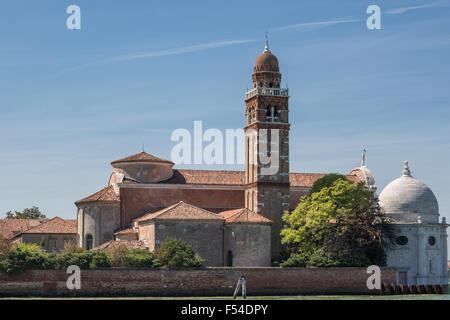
{"x": 200, "y": 282}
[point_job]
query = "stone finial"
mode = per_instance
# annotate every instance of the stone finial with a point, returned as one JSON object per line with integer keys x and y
{"x": 444, "y": 220}
{"x": 363, "y": 158}
{"x": 419, "y": 219}
{"x": 406, "y": 171}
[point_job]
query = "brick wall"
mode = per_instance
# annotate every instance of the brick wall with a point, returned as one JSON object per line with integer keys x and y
{"x": 203, "y": 282}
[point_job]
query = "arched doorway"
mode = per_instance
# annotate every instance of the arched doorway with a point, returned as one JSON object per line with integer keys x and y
{"x": 89, "y": 242}
{"x": 229, "y": 258}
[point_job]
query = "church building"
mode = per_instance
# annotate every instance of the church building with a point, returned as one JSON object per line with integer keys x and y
{"x": 420, "y": 249}
{"x": 234, "y": 218}
{"x": 231, "y": 218}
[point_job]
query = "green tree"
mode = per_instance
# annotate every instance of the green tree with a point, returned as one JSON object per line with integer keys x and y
{"x": 338, "y": 225}
{"x": 326, "y": 182}
{"x": 27, "y": 213}
{"x": 5, "y": 246}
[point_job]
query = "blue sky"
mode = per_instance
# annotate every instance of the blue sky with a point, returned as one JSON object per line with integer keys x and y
{"x": 72, "y": 101}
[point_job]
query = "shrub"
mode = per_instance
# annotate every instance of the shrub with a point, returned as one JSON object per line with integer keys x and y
{"x": 26, "y": 256}
{"x": 66, "y": 259}
{"x": 73, "y": 249}
{"x": 118, "y": 256}
{"x": 295, "y": 260}
{"x": 178, "y": 254}
{"x": 142, "y": 258}
{"x": 83, "y": 259}
{"x": 99, "y": 259}
{"x": 121, "y": 256}
{"x": 321, "y": 258}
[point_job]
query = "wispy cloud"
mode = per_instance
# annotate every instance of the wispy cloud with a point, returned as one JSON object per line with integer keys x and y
{"x": 175, "y": 51}
{"x": 160, "y": 53}
{"x": 305, "y": 26}
{"x": 316, "y": 24}
{"x": 405, "y": 9}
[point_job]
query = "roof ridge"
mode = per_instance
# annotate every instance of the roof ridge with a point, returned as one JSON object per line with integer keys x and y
{"x": 138, "y": 157}
{"x": 96, "y": 196}
{"x": 236, "y": 215}
{"x": 165, "y": 210}
{"x": 49, "y": 220}
{"x": 209, "y": 212}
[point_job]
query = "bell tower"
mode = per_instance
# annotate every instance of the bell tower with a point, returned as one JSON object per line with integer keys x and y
{"x": 267, "y": 145}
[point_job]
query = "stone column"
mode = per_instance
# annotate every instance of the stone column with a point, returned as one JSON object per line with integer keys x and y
{"x": 444, "y": 254}
{"x": 421, "y": 263}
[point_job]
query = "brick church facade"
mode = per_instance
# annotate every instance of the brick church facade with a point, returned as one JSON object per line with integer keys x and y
{"x": 231, "y": 218}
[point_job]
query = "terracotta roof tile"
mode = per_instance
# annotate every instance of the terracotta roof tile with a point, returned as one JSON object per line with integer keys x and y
{"x": 244, "y": 215}
{"x": 125, "y": 231}
{"x": 129, "y": 244}
{"x": 308, "y": 179}
{"x": 107, "y": 194}
{"x": 180, "y": 211}
{"x": 55, "y": 225}
{"x": 217, "y": 177}
{"x": 10, "y": 227}
{"x": 142, "y": 157}
{"x": 207, "y": 177}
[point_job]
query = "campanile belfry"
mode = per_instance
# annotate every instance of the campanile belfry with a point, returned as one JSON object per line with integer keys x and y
{"x": 267, "y": 145}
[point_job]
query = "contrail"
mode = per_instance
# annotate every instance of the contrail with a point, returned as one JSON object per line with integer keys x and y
{"x": 174, "y": 51}
{"x": 160, "y": 53}
{"x": 403, "y": 10}
{"x": 316, "y": 24}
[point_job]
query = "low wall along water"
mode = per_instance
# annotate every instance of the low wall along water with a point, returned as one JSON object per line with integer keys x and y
{"x": 193, "y": 282}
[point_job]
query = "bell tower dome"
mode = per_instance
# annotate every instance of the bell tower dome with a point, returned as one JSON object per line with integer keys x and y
{"x": 267, "y": 145}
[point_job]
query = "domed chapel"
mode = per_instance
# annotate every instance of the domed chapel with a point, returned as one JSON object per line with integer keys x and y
{"x": 420, "y": 252}
{"x": 233, "y": 218}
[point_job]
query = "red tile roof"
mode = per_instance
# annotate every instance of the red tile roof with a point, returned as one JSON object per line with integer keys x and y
{"x": 10, "y": 227}
{"x": 129, "y": 244}
{"x": 55, "y": 225}
{"x": 180, "y": 211}
{"x": 207, "y": 177}
{"x": 125, "y": 231}
{"x": 142, "y": 157}
{"x": 217, "y": 177}
{"x": 308, "y": 179}
{"x": 107, "y": 195}
{"x": 244, "y": 215}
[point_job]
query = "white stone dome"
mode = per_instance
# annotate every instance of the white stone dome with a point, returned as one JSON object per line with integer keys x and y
{"x": 407, "y": 199}
{"x": 364, "y": 174}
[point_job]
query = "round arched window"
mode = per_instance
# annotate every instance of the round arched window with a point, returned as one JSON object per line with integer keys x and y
{"x": 89, "y": 242}
{"x": 402, "y": 240}
{"x": 431, "y": 240}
